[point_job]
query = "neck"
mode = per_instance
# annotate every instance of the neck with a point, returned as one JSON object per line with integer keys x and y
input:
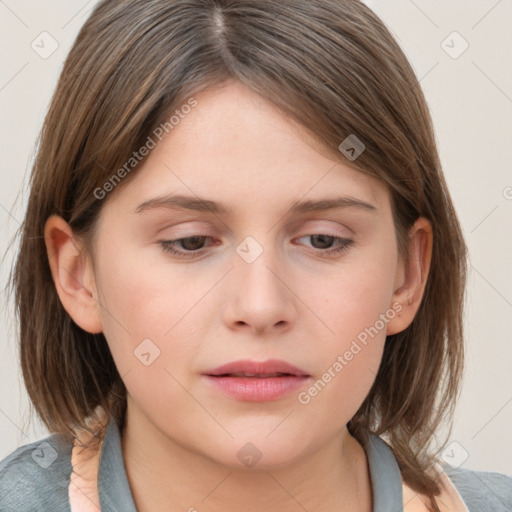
{"x": 165, "y": 475}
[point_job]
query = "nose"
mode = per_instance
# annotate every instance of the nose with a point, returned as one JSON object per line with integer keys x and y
{"x": 261, "y": 298}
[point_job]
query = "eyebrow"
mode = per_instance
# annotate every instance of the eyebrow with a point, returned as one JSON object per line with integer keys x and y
{"x": 174, "y": 201}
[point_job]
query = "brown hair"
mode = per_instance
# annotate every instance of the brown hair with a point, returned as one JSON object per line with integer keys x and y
{"x": 330, "y": 65}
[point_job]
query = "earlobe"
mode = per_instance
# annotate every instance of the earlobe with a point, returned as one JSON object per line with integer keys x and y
{"x": 72, "y": 275}
{"x": 412, "y": 278}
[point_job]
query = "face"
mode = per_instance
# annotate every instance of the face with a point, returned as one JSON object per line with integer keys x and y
{"x": 185, "y": 291}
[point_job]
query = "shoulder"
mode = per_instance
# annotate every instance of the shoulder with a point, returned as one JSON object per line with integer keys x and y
{"x": 35, "y": 477}
{"x": 482, "y": 491}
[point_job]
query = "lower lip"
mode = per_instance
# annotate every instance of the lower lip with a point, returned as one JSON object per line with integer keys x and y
{"x": 257, "y": 389}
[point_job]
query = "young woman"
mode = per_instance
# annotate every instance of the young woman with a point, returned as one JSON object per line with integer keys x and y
{"x": 241, "y": 278}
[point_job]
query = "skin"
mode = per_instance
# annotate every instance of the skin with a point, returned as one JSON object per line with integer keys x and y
{"x": 182, "y": 436}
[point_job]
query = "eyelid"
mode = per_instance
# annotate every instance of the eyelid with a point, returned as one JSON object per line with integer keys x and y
{"x": 321, "y": 222}
{"x": 184, "y": 230}
{"x": 341, "y": 230}
{"x": 181, "y": 230}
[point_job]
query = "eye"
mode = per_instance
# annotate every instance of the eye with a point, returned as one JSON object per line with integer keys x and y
{"x": 191, "y": 245}
{"x": 325, "y": 241}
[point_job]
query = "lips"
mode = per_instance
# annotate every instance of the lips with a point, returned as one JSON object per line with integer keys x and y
{"x": 257, "y": 369}
{"x": 256, "y": 381}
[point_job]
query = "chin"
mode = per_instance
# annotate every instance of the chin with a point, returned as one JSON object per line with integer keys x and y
{"x": 260, "y": 453}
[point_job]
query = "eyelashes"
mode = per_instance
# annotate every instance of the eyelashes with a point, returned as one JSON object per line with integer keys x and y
{"x": 170, "y": 246}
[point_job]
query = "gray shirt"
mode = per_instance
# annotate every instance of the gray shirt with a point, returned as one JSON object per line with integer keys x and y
{"x": 36, "y": 477}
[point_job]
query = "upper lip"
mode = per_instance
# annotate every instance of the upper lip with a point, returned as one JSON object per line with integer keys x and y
{"x": 246, "y": 366}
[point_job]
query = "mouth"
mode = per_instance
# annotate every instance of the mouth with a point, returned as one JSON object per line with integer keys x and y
{"x": 257, "y": 381}
{"x": 255, "y": 375}
{"x": 257, "y": 369}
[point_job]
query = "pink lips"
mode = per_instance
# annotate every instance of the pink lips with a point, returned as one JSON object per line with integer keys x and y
{"x": 257, "y": 381}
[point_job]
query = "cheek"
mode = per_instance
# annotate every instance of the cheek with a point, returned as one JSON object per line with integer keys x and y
{"x": 142, "y": 302}
{"x": 349, "y": 359}
{"x": 335, "y": 396}
{"x": 355, "y": 305}
{"x": 356, "y": 297}
{"x": 142, "y": 295}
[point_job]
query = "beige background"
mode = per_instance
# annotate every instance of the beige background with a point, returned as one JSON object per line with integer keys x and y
{"x": 471, "y": 102}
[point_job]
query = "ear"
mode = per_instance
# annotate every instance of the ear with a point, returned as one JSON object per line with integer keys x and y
{"x": 411, "y": 278}
{"x": 72, "y": 274}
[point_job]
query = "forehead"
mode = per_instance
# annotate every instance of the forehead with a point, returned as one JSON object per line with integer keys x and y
{"x": 236, "y": 148}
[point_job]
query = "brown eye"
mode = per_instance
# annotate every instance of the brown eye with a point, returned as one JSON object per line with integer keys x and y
{"x": 192, "y": 243}
{"x": 191, "y": 246}
{"x": 322, "y": 244}
{"x": 324, "y": 241}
